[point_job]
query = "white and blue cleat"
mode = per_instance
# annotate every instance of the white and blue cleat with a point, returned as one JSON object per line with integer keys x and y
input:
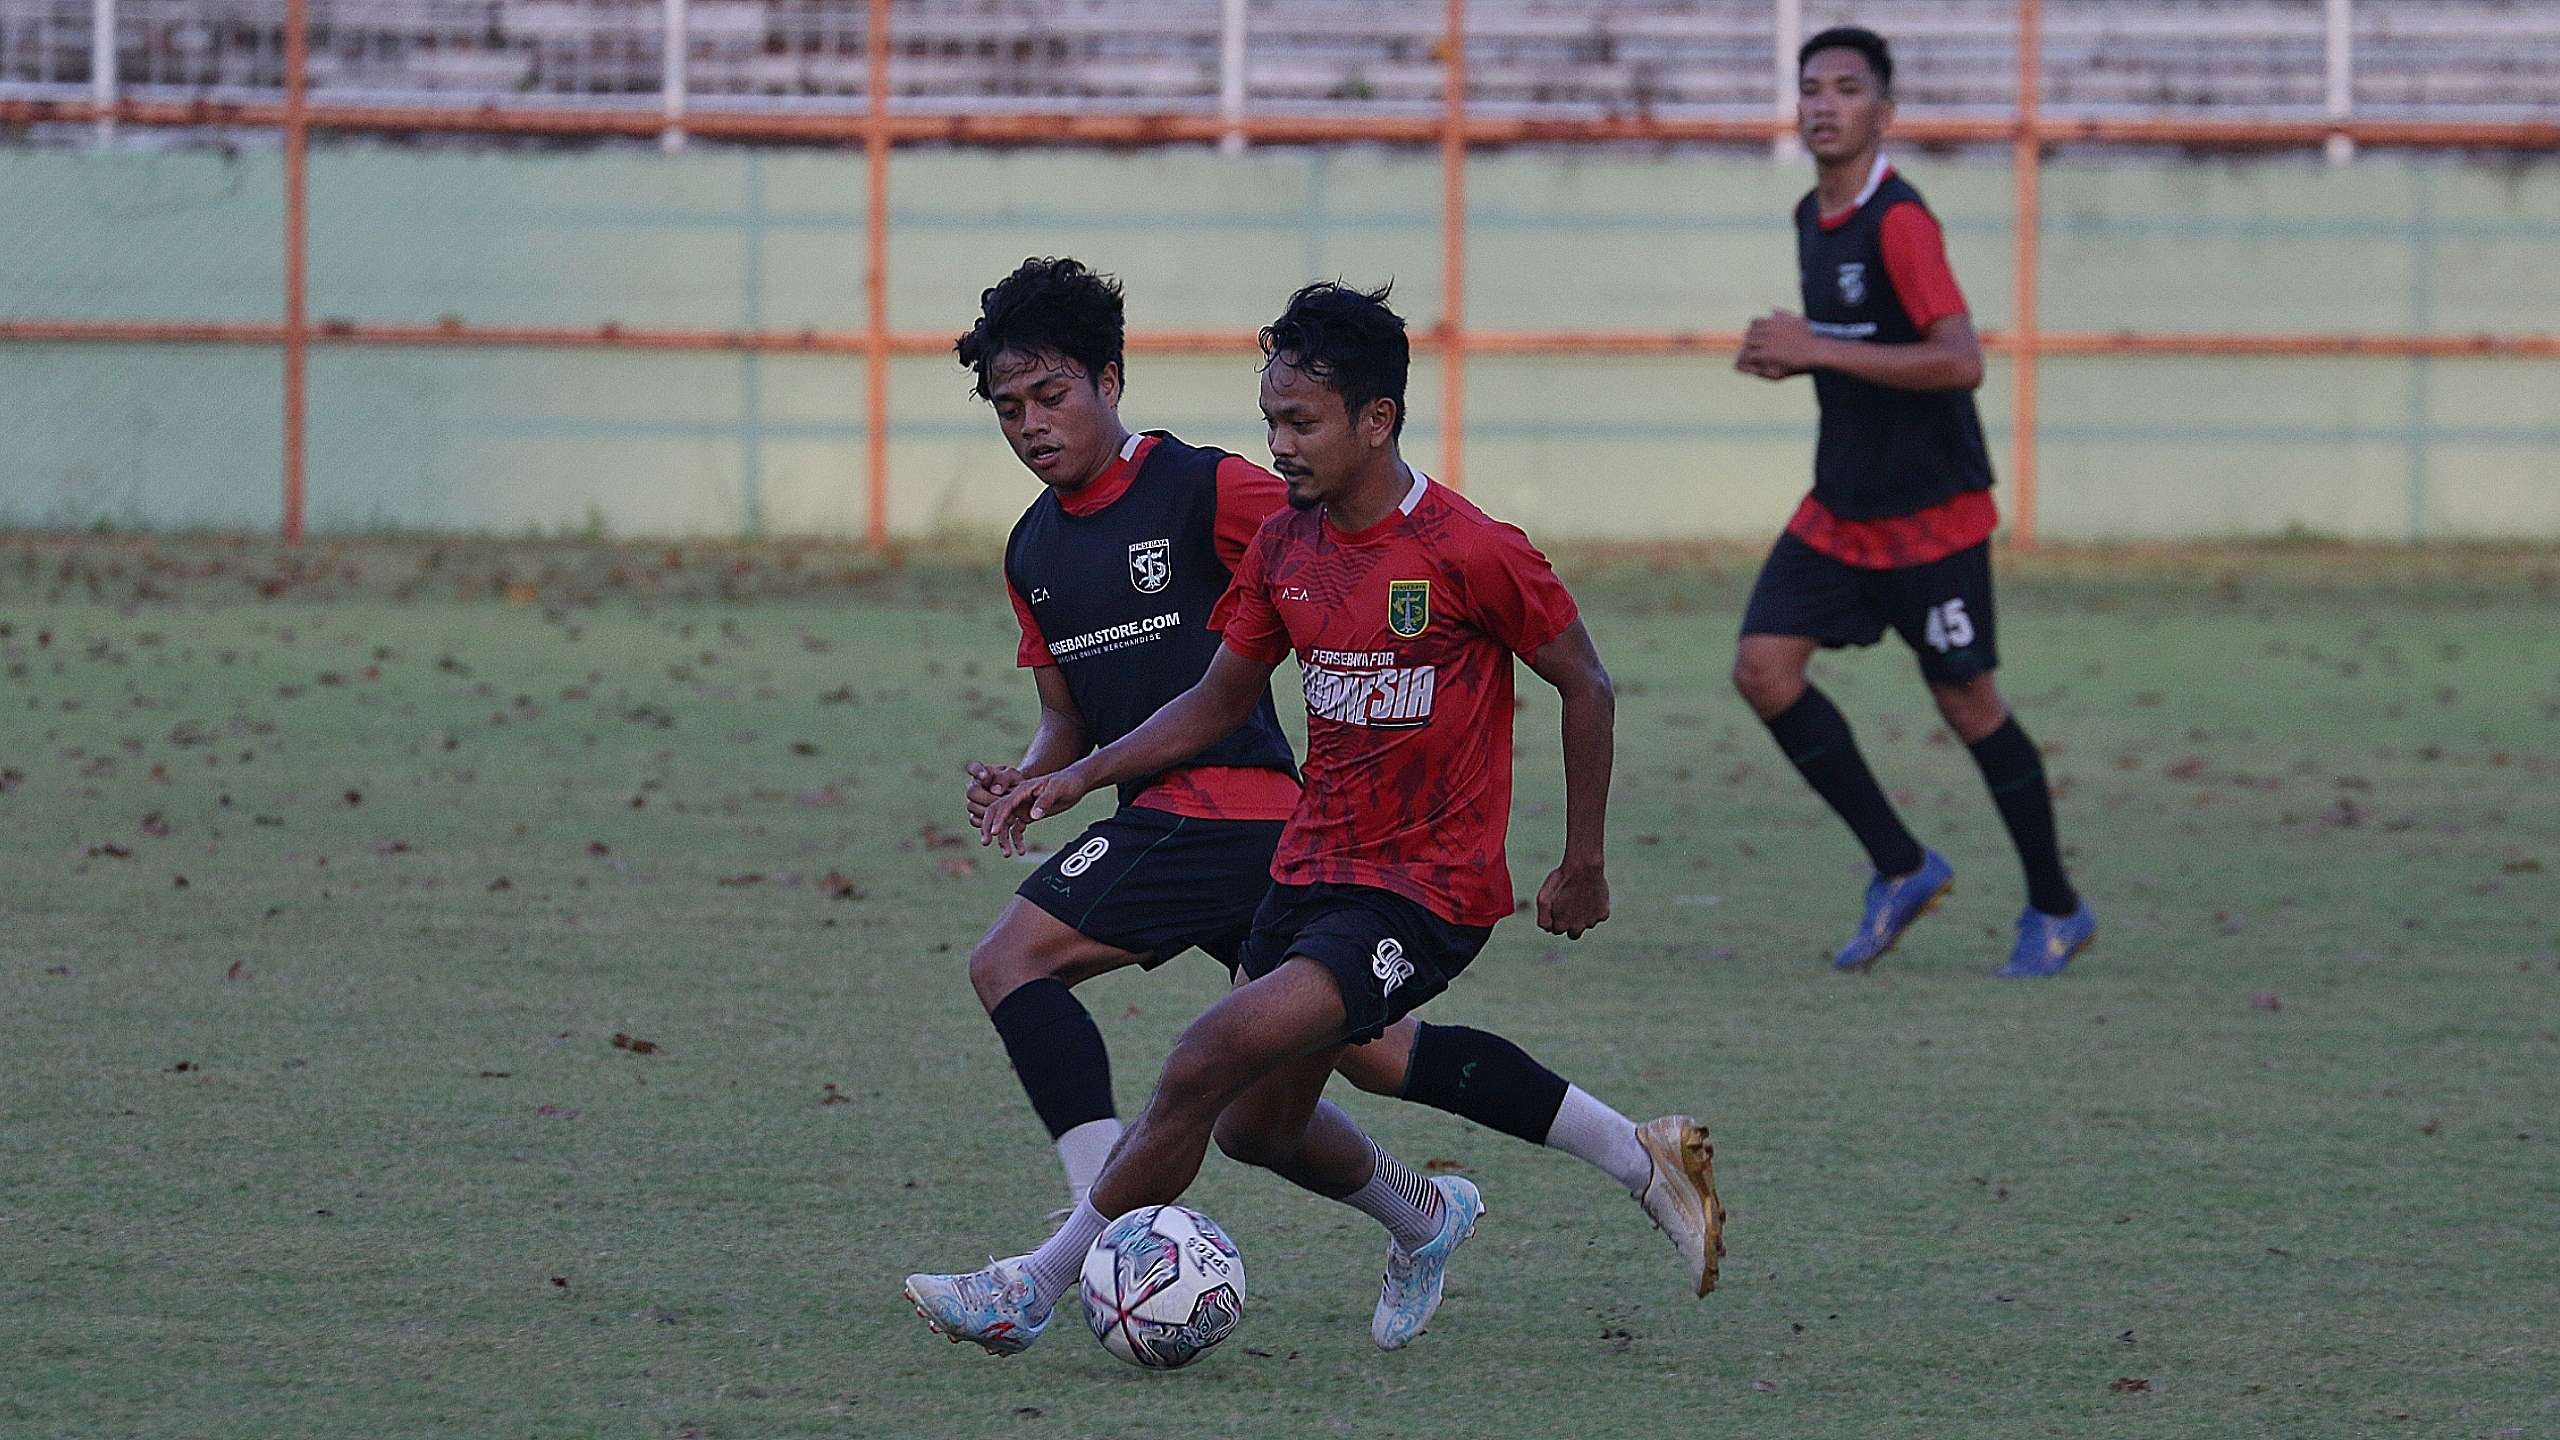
{"x": 2046, "y": 943}
{"x": 1412, "y": 1289}
{"x": 1893, "y": 903}
{"x": 995, "y": 1309}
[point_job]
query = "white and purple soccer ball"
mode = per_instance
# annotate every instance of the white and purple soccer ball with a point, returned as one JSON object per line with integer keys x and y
{"x": 1162, "y": 1286}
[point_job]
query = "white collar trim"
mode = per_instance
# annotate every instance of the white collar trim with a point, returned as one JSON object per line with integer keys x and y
{"x": 1413, "y": 497}
{"x": 1129, "y": 447}
{"x": 1875, "y": 180}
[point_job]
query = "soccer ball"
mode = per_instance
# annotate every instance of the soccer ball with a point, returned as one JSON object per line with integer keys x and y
{"x": 1163, "y": 1285}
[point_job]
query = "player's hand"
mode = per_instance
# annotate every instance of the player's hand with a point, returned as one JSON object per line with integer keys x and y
{"x": 1778, "y": 344}
{"x": 1749, "y": 364}
{"x": 1030, "y": 800}
{"x": 1574, "y": 899}
{"x": 988, "y": 784}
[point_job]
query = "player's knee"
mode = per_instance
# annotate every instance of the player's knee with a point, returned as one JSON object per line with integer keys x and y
{"x": 1200, "y": 1073}
{"x": 1972, "y": 708}
{"x": 1243, "y": 1143}
{"x": 1769, "y": 685}
{"x": 1371, "y": 1068}
{"x": 998, "y": 968}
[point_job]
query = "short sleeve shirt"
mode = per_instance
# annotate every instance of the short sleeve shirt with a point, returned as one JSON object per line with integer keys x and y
{"x": 1405, "y": 635}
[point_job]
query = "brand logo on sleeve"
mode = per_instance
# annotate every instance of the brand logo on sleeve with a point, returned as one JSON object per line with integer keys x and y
{"x": 1387, "y": 962}
{"x": 1853, "y": 282}
{"x": 1151, "y": 565}
{"x": 1408, "y": 607}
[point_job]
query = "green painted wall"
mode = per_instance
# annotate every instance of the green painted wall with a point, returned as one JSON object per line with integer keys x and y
{"x": 170, "y": 436}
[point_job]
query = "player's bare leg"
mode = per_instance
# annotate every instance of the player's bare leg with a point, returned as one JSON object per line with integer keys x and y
{"x": 1023, "y": 969}
{"x": 1255, "y": 1032}
{"x": 1282, "y": 1124}
{"x": 1769, "y": 671}
{"x": 2055, "y": 925}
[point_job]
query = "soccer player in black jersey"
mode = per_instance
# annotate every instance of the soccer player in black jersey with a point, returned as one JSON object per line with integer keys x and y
{"x": 1113, "y": 572}
{"x": 1897, "y": 531}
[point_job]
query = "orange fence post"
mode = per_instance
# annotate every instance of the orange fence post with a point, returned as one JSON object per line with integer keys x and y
{"x": 297, "y": 224}
{"x": 2027, "y": 233}
{"x": 1453, "y": 249}
{"x": 875, "y": 347}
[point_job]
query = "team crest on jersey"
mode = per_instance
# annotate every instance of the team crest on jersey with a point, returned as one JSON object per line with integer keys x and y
{"x": 1408, "y": 607}
{"x": 1151, "y": 565}
{"x": 1853, "y": 282}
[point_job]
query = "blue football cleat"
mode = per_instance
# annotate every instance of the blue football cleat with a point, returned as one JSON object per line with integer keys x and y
{"x": 995, "y": 1309}
{"x": 2046, "y": 943}
{"x": 1411, "y": 1292}
{"x": 1892, "y": 904}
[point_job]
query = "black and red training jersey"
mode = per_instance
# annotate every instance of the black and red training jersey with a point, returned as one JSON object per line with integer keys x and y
{"x": 1114, "y": 583}
{"x": 1901, "y": 477}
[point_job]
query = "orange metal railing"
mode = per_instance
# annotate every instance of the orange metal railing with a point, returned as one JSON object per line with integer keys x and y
{"x": 1455, "y": 131}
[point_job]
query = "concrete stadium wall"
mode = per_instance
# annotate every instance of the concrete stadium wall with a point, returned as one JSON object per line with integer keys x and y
{"x": 167, "y": 437}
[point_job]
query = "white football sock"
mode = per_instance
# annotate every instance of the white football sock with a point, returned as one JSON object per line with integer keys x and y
{"x": 1592, "y": 1132}
{"x": 1083, "y": 1149}
{"x": 1408, "y": 1205}
{"x": 1053, "y": 1267}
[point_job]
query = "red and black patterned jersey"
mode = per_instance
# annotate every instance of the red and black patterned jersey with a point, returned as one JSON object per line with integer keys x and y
{"x": 1876, "y": 274}
{"x": 1404, "y": 634}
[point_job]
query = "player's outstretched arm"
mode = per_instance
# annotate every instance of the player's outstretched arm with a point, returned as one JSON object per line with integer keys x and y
{"x": 1188, "y": 724}
{"x": 1576, "y": 896}
{"x": 1948, "y": 356}
{"x": 1060, "y": 739}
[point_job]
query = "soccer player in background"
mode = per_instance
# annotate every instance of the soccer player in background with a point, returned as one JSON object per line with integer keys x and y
{"x": 1405, "y": 606}
{"x": 1897, "y": 531}
{"x": 1113, "y": 572}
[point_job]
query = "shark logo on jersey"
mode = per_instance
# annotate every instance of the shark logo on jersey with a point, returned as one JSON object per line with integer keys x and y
{"x": 1387, "y": 962}
{"x": 1408, "y": 607}
{"x": 1853, "y": 282}
{"x": 1151, "y": 565}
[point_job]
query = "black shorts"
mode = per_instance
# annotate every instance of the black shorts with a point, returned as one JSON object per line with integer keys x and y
{"x": 1387, "y": 954}
{"x": 1942, "y": 609}
{"x": 1156, "y": 883}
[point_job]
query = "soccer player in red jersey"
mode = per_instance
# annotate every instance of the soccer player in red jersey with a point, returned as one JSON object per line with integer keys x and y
{"x": 1897, "y": 531}
{"x": 1114, "y": 571}
{"x": 1405, "y": 606}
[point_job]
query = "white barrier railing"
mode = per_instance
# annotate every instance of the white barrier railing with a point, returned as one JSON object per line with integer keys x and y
{"x": 2445, "y": 59}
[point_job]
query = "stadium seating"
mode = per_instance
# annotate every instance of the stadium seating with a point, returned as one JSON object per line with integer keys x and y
{"x": 2450, "y": 59}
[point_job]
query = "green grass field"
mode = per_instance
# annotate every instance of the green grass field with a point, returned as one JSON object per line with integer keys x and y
{"x": 339, "y": 885}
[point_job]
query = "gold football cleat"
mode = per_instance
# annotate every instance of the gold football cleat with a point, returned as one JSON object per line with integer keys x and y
{"x": 1681, "y": 1195}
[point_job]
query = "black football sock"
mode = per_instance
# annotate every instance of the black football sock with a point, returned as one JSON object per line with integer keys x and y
{"x": 1485, "y": 1078}
{"x": 1816, "y": 739}
{"x": 1057, "y": 1051}
{"x": 2015, "y": 773}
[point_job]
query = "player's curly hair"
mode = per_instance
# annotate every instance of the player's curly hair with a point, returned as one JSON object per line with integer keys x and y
{"x": 1854, "y": 37}
{"x": 1346, "y": 338}
{"x": 1053, "y": 305}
